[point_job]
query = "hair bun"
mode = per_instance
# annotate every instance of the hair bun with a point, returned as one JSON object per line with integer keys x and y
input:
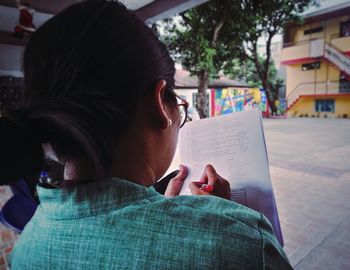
{"x": 21, "y": 155}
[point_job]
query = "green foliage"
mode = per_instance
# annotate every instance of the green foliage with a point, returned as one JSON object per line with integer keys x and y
{"x": 263, "y": 20}
{"x": 209, "y": 37}
{"x": 243, "y": 71}
{"x": 197, "y": 38}
{"x": 246, "y": 70}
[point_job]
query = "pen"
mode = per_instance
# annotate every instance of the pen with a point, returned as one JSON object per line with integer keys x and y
{"x": 207, "y": 188}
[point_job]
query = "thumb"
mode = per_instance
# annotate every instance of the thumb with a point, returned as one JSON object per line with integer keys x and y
{"x": 175, "y": 184}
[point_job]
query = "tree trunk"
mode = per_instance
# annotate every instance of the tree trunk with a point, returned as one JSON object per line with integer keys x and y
{"x": 263, "y": 70}
{"x": 266, "y": 83}
{"x": 201, "y": 106}
{"x": 269, "y": 96}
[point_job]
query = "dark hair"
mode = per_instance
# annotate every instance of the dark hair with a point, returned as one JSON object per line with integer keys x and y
{"x": 84, "y": 71}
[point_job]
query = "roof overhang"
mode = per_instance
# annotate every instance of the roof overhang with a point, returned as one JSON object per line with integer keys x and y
{"x": 149, "y": 11}
{"x": 326, "y": 8}
{"x": 327, "y": 14}
{"x": 322, "y": 13}
{"x": 184, "y": 80}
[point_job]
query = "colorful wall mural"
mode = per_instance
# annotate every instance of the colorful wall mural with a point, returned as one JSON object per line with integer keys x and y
{"x": 229, "y": 100}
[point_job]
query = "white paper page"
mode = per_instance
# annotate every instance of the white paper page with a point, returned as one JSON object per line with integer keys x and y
{"x": 234, "y": 144}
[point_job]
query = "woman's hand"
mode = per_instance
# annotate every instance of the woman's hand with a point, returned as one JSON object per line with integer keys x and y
{"x": 175, "y": 184}
{"x": 221, "y": 187}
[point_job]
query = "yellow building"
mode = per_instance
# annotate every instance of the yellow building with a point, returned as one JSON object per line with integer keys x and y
{"x": 317, "y": 56}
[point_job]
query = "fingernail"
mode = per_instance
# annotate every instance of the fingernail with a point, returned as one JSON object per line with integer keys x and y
{"x": 207, "y": 188}
{"x": 182, "y": 167}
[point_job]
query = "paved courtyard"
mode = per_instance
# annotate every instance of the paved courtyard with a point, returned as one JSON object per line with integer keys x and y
{"x": 310, "y": 171}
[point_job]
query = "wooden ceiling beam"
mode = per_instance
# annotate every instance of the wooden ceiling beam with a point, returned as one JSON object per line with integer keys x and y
{"x": 157, "y": 10}
{"x": 44, "y": 6}
{"x": 161, "y": 9}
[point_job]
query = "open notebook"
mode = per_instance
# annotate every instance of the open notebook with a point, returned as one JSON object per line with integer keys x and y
{"x": 235, "y": 145}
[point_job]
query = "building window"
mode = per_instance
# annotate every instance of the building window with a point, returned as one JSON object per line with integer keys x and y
{"x": 313, "y": 30}
{"x": 310, "y": 66}
{"x": 345, "y": 29}
{"x": 325, "y": 105}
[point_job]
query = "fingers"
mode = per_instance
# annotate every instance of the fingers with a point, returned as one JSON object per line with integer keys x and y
{"x": 221, "y": 187}
{"x": 195, "y": 188}
{"x": 175, "y": 184}
{"x": 209, "y": 175}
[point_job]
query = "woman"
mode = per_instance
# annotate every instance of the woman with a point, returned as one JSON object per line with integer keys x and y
{"x": 99, "y": 96}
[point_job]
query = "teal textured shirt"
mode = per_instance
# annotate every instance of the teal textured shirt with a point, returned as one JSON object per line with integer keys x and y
{"x": 117, "y": 224}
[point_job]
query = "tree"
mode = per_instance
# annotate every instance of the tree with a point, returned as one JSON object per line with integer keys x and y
{"x": 263, "y": 20}
{"x": 198, "y": 39}
{"x": 246, "y": 70}
{"x": 206, "y": 39}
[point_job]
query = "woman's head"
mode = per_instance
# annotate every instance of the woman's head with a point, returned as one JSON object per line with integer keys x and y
{"x": 86, "y": 71}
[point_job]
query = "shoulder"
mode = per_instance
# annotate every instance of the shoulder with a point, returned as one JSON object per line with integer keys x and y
{"x": 215, "y": 206}
{"x": 208, "y": 215}
{"x": 233, "y": 226}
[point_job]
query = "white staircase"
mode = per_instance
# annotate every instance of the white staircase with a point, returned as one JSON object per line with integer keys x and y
{"x": 337, "y": 58}
{"x": 310, "y": 89}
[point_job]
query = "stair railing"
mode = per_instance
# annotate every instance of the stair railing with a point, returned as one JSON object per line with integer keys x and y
{"x": 337, "y": 57}
{"x": 311, "y": 88}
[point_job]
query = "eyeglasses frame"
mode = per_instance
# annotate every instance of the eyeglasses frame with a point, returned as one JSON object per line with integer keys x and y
{"x": 185, "y": 105}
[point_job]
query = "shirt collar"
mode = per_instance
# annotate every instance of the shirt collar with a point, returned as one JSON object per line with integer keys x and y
{"x": 92, "y": 198}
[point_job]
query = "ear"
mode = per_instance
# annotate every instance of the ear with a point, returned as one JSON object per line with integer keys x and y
{"x": 160, "y": 107}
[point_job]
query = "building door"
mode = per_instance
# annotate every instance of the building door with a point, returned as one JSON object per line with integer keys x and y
{"x": 344, "y": 82}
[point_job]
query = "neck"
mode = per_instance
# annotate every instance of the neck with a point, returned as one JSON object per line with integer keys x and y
{"x": 141, "y": 154}
{"x": 133, "y": 159}
{"x": 140, "y": 172}
{"x": 130, "y": 163}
